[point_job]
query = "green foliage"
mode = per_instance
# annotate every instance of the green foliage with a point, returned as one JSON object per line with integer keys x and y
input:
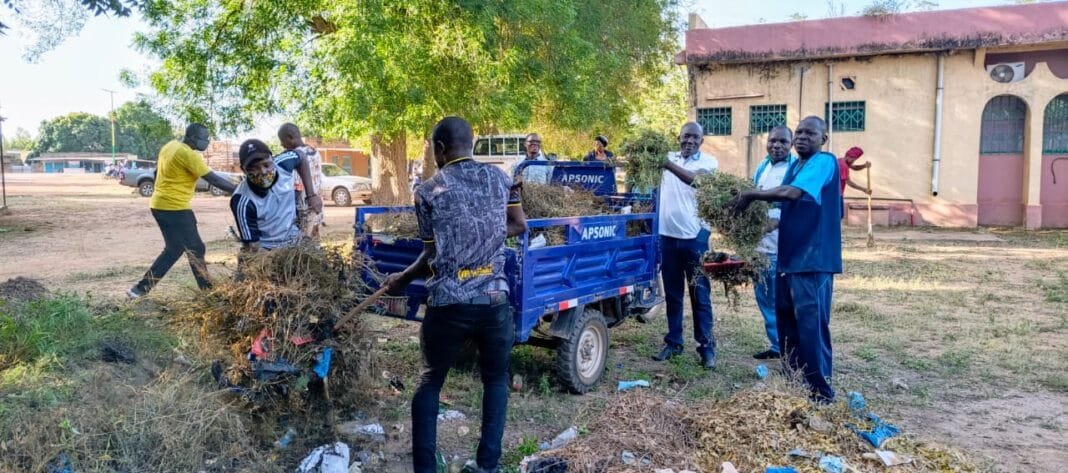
{"x": 1056, "y": 291}
{"x": 893, "y": 7}
{"x": 21, "y": 141}
{"x": 139, "y": 130}
{"x": 662, "y": 105}
{"x": 391, "y": 68}
{"x": 645, "y": 157}
{"x": 47, "y": 23}
{"x": 78, "y": 131}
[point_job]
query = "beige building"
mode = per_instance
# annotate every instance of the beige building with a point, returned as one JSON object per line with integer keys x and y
{"x": 963, "y": 113}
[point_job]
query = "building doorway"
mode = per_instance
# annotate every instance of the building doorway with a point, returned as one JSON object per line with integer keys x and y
{"x": 1053, "y": 194}
{"x": 1001, "y": 162}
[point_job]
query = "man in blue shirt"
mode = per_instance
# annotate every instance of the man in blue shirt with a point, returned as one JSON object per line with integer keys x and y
{"x": 465, "y": 212}
{"x": 769, "y": 175}
{"x": 810, "y": 254}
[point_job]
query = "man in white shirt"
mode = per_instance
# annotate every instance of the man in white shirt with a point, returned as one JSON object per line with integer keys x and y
{"x": 768, "y": 175}
{"x": 683, "y": 241}
{"x": 534, "y": 174}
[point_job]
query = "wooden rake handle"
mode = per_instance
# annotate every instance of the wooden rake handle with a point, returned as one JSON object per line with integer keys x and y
{"x": 360, "y": 308}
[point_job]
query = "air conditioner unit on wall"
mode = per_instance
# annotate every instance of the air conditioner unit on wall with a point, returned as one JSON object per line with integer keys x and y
{"x": 1006, "y": 73}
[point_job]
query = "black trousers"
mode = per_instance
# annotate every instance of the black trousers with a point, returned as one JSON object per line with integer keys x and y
{"x": 180, "y": 236}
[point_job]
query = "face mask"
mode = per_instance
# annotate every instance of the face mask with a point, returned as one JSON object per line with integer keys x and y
{"x": 263, "y": 181}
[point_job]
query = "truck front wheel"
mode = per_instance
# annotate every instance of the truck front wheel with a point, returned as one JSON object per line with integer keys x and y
{"x": 581, "y": 357}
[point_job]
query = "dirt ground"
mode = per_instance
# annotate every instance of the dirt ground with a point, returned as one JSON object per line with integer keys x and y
{"x": 958, "y": 336}
{"x": 86, "y": 233}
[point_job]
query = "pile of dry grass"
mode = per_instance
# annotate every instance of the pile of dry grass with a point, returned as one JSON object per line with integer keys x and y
{"x": 753, "y": 429}
{"x": 554, "y": 201}
{"x": 656, "y": 431}
{"x": 399, "y": 225}
{"x": 741, "y": 233}
{"x": 289, "y": 295}
{"x": 646, "y": 155}
{"x": 117, "y": 422}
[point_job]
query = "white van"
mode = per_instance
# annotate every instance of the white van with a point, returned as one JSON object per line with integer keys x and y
{"x": 501, "y": 150}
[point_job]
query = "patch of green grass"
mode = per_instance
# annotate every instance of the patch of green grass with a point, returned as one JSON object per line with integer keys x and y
{"x": 866, "y": 353}
{"x": 1056, "y": 291}
{"x": 988, "y": 297}
{"x": 917, "y": 363}
{"x": 1056, "y": 382}
{"x": 855, "y": 311}
{"x": 686, "y": 368}
{"x": 511, "y": 458}
{"x": 956, "y": 360}
{"x": 66, "y": 328}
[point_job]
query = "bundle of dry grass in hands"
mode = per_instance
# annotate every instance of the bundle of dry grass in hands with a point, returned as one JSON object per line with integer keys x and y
{"x": 399, "y": 225}
{"x": 286, "y": 300}
{"x": 645, "y": 158}
{"x": 741, "y": 233}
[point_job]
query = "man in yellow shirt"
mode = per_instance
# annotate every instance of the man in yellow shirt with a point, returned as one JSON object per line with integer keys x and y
{"x": 177, "y": 170}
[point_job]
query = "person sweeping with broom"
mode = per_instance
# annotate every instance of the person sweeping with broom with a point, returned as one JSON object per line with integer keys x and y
{"x": 465, "y": 212}
{"x": 810, "y": 254}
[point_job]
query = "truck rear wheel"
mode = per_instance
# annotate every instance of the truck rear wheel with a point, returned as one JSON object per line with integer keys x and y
{"x": 581, "y": 357}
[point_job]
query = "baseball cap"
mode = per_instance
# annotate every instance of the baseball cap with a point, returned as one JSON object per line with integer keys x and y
{"x": 251, "y": 150}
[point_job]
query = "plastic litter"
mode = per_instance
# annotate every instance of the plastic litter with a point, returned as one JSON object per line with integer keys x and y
{"x": 286, "y": 439}
{"x": 537, "y": 242}
{"x": 60, "y": 465}
{"x": 322, "y": 362}
{"x": 856, "y": 402}
{"x": 374, "y": 431}
{"x": 330, "y": 458}
{"x": 571, "y": 433}
{"x": 762, "y": 371}
{"x": 728, "y": 467}
{"x": 780, "y": 469}
{"x": 534, "y": 464}
{"x": 879, "y": 433}
{"x": 892, "y": 459}
{"x": 801, "y": 453}
{"x": 628, "y": 385}
{"x": 629, "y": 458}
{"x": 451, "y": 415}
{"x": 832, "y": 464}
{"x": 268, "y": 370}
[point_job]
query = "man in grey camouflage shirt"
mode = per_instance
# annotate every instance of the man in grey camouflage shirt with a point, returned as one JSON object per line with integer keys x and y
{"x": 465, "y": 212}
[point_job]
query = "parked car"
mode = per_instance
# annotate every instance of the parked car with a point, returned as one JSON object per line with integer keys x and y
{"x": 145, "y": 181}
{"x": 501, "y": 150}
{"x": 344, "y": 188}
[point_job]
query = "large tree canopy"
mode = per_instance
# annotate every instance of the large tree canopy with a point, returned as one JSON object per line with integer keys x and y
{"x": 390, "y": 68}
{"x": 138, "y": 130}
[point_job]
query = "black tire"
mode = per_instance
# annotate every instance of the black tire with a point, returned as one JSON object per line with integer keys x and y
{"x": 341, "y": 196}
{"x": 582, "y": 356}
{"x": 215, "y": 191}
{"x": 146, "y": 188}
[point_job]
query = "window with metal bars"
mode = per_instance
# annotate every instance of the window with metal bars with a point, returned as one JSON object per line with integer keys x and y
{"x": 762, "y": 118}
{"x": 716, "y": 121}
{"x": 848, "y": 116}
{"x": 1055, "y": 126}
{"x": 1002, "y": 130}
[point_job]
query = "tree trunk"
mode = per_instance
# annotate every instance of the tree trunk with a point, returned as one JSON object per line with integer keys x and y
{"x": 429, "y": 166}
{"x": 389, "y": 170}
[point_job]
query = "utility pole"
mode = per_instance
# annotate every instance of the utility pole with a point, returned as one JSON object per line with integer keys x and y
{"x": 112, "y": 115}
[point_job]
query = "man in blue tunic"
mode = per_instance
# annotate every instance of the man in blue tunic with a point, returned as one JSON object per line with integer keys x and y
{"x": 810, "y": 254}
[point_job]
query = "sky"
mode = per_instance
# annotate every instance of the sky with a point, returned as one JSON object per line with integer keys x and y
{"x": 71, "y": 78}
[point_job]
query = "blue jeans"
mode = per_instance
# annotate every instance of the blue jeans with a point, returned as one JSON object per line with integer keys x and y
{"x": 803, "y": 313}
{"x": 679, "y": 266}
{"x": 764, "y": 288}
{"x": 444, "y": 331}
